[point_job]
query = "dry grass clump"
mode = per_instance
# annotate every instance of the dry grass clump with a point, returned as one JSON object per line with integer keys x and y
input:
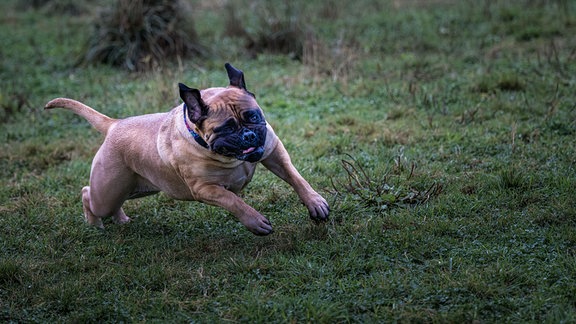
{"x": 276, "y": 29}
{"x": 334, "y": 60}
{"x": 141, "y": 34}
{"x": 280, "y": 28}
{"x": 382, "y": 191}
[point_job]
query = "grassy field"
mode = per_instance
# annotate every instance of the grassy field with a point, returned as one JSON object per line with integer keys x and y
{"x": 457, "y": 118}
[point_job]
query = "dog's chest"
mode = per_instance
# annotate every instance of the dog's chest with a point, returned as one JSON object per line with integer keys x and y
{"x": 236, "y": 179}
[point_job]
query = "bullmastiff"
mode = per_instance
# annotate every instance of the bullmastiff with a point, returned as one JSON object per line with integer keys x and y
{"x": 205, "y": 149}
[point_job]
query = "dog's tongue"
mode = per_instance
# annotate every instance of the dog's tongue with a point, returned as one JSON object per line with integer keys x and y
{"x": 248, "y": 150}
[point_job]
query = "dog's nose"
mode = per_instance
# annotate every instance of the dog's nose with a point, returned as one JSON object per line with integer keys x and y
{"x": 248, "y": 136}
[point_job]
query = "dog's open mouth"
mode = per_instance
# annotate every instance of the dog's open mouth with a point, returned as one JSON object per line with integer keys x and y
{"x": 251, "y": 154}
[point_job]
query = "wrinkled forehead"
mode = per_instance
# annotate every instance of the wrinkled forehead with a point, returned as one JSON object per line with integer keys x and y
{"x": 231, "y": 96}
{"x": 228, "y": 102}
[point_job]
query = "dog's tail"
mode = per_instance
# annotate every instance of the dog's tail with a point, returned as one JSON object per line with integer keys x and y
{"x": 100, "y": 121}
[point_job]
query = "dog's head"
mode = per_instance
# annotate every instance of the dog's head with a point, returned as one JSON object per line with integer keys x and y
{"x": 229, "y": 119}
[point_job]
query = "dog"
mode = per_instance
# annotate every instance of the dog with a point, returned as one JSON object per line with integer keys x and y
{"x": 206, "y": 149}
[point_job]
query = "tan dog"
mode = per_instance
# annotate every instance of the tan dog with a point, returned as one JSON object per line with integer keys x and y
{"x": 205, "y": 150}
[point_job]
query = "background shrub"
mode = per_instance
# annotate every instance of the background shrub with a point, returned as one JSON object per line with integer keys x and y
{"x": 141, "y": 34}
{"x": 276, "y": 29}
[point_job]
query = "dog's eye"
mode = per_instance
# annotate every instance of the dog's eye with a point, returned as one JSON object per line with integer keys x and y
{"x": 253, "y": 116}
{"x": 228, "y": 127}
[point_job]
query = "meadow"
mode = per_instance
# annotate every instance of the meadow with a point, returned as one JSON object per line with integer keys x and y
{"x": 441, "y": 132}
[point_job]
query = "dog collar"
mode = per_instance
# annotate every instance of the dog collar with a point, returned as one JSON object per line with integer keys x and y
{"x": 195, "y": 135}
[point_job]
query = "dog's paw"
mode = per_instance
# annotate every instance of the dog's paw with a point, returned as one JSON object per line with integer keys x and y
{"x": 318, "y": 208}
{"x": 120, "y": 217}
{"x": 257, "y": 224}
{"x": 93, "y": 220}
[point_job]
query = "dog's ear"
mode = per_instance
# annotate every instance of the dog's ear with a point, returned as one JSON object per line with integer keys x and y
{"x": 196, "y": 106}
{"x": 236, "y": 78}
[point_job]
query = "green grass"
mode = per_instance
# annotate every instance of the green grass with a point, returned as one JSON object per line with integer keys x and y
{"x": 477, "y": 96}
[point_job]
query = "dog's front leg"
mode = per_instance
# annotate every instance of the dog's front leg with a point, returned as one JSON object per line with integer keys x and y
{"x": 280, "y": 164}
{"x": 248, "y": 216}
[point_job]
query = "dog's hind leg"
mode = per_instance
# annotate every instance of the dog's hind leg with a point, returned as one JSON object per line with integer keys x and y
{"x": 119, "y": 217}
{"x": 88, "y": 215}
{"x": 111, "y": 183}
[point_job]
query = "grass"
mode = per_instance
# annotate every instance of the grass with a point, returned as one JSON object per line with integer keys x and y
{"x": 477, "y": 96}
